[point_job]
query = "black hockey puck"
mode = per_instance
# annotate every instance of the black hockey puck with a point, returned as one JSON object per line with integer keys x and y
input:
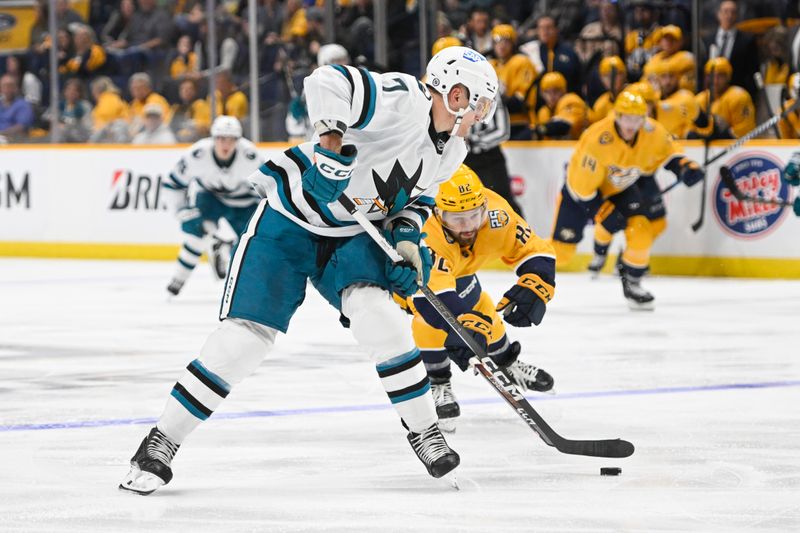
{"x": 610, "y": 471}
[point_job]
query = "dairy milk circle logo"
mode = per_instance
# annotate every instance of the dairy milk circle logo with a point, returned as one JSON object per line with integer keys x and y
{"x": 757, "y": 174}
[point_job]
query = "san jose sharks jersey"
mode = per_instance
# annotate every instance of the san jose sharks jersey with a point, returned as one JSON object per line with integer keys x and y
{"x": 401, "y": 158}
{"x": 199, "y": 169}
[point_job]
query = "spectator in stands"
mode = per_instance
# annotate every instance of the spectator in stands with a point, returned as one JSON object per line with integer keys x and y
{"x": 294, "y": 22}
{"x": 603, "y": 36}
{"x": 185, "y": 64}
{"x": 230, "y": 100}
{"x": 16, "y": 115}
{"x": 517, "y": 75}
{"x": 111, "y": 113}
{"x": 670, "y": 42}
{"x": 569, "y": 16}
{"x": 477, "y": 32}
{"x": 154, "y": 130}
{"x": 642, "y": 40}
{"x": 150, "y": 27}
{"x": 737, "y": 47}
{"x": 116, "y": 32}
{"x": 191, "y": 117}
{"x": 89, "y": 57}
{"x": 613, "y": 76}
{"x": 141, "y": 88}
{"x": 74, "y": 114}
{"x": 66, "y": 47}
{"x": 31, "y": 86}
{"x": 66, "y": 16}
{"x": 732, "y": 108}
{"x": 555, "y": 55}
{"x": 563, "y": 115}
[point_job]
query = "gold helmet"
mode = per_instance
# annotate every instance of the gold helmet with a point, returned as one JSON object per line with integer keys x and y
{"x": 612, "y": 62}
{"x": 670, "y": 30}
{"x": 463, "y": 191}
{"x": 504, "y": 31}
{"x": 553, "y": 80}
{"x": 444, "y": 42}
{"x": 645, "y": 90}
{"x": 630, "y": 103}
{"x": 720, "y": 65}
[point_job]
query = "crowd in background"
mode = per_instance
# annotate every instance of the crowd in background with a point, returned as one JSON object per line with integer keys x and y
{"x": 136, "y": 70}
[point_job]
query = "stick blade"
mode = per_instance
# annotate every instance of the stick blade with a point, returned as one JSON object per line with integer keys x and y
{"x": 617, "y": 448}
{"x": 727, "y": 178}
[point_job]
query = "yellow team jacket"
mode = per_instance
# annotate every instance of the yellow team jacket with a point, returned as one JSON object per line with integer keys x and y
{"x": 648, "y": 39}
{"x": 95, "y": 60}
{"x": 517, "y": 75}
{"x": 603, "y": 162}
{"x": 236, "y": 105}
{"x": 570, "y": 108}
{"x": 505, "y": 235}
{"x": 110, "y": 107}
{"x": 677, "y": 113}
{"x": 790, "y": 126}
{"x": 137, "y": 107}
{"x": 734, "y": 107}
{"x": 681, "y": 62}
{"x": 181, "y": 66}
{"x": 602, "y": 107}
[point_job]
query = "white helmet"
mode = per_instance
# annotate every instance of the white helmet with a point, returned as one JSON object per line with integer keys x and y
{"x": 226, "y": 126}
{"x": 332, "y": 54}
{"x": 461, "y": 65}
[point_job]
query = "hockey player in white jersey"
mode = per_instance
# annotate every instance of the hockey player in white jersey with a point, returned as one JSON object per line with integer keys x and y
{"x": 386, "y": 141}
{"x": 210, "y": 183}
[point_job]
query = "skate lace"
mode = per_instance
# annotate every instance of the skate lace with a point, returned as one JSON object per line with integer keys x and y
{"x": 430, "y": 445}
{"x": 523, "y": 373}
{"x": 159, "y": 447}
{"x": 442, "y": 394}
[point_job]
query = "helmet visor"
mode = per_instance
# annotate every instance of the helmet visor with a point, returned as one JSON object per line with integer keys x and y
{"x": 484, "y": 108}
{"x": 464, "y": 223}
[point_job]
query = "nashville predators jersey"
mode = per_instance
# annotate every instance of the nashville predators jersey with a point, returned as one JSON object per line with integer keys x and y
{"x": 517, "y": 75}
{"x": 677, "y": 113}
{"x": 681, "y": 63}
{"x": 601, "y": 108}
{"x": 790, "y": 126}
{"x": 603, "y": 163}
{"x": 734, "y": 107}
{"x": 506, "y": 235}
{"x": 571, "y": 109}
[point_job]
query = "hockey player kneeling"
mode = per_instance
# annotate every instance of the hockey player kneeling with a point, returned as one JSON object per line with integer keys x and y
{"x": 610, "y": 179}
{"x": 473, "y": 225}
{"x": 209, "y": 183}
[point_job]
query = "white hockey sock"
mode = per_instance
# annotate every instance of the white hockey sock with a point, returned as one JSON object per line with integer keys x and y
{"x": 231, "y": 353}
{"x": 189, "y": 255}
{"x": 382, "y": 329}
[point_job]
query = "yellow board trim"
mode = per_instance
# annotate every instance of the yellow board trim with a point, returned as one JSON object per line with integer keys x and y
{"x": 76, "y": 250}
{"x": 671, "y": 265}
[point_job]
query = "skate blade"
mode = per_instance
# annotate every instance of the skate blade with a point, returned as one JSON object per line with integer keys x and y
{"x": 636, "y": 306}
{"x": 451, "y": 480}
{"x": 448, "y": 425}
{"x": 141, "y": 483}
{"x": 594, "y": 274}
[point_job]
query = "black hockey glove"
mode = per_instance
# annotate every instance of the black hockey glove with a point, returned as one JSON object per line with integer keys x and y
{"x": 525, "y": 303}
{"x": 479, "y": 326}
{"x": 690, "y": 172}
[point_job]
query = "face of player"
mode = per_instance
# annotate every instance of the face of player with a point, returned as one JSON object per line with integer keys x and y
{"x": 669, "y": 45}
{"x": 721, "y": 83}
{"x": 552, "y": 96}
{"x": 503, "y": 48}
{"x": 668, "y": 83}
{"x": 619, "y": 82}
{"x": 463, "y": 226}
{"x": 628, "y": 125}
{"x": 224, "y": 147}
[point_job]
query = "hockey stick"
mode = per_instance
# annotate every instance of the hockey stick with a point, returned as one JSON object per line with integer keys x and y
{"x": 495, "y": 376}
{"x": 759, "y": 81}
{"x": 727, "y": 178}
{"x": 707, "y": 144}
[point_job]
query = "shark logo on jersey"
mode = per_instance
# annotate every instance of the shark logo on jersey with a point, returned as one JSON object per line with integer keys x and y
{"x": 394, "y": 193}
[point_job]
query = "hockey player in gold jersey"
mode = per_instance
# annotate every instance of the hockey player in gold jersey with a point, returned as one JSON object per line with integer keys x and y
{"x": 732, "y": 108}
{"x": 678, "y": 111}
{"x": 790, "y": 126}
{"x": 610, "y": 179}
{"x": 564, "y": 114}
{"x": 517, "y": 75}
{"x": 613, "y": 76}
{"x": 473, "y": 225}
{"x": 670, "y": 41}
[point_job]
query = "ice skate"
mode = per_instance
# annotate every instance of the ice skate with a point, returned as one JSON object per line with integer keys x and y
{"x": 150, "y": 465}
{"x": 638, "y": 298}
{"x": 529, "y": 377}
{"x": 447, "y": 408}
{"x": 175, "y": 286}
{"x": 596, "y": 265}
{"x": 218, "y": 257}
{"x": 431, "y": 448}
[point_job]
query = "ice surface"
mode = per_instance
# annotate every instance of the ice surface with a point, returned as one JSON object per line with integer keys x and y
{"x": 707, "y": 387}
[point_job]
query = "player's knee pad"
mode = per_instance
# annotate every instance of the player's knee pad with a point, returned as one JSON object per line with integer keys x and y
{"x": 657, "y": 227}
{"x": 639, "y": 236}
{"x": 377, "y": 322}
{"x": 565, "y": 251}
{"x": 236, "y": 348}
